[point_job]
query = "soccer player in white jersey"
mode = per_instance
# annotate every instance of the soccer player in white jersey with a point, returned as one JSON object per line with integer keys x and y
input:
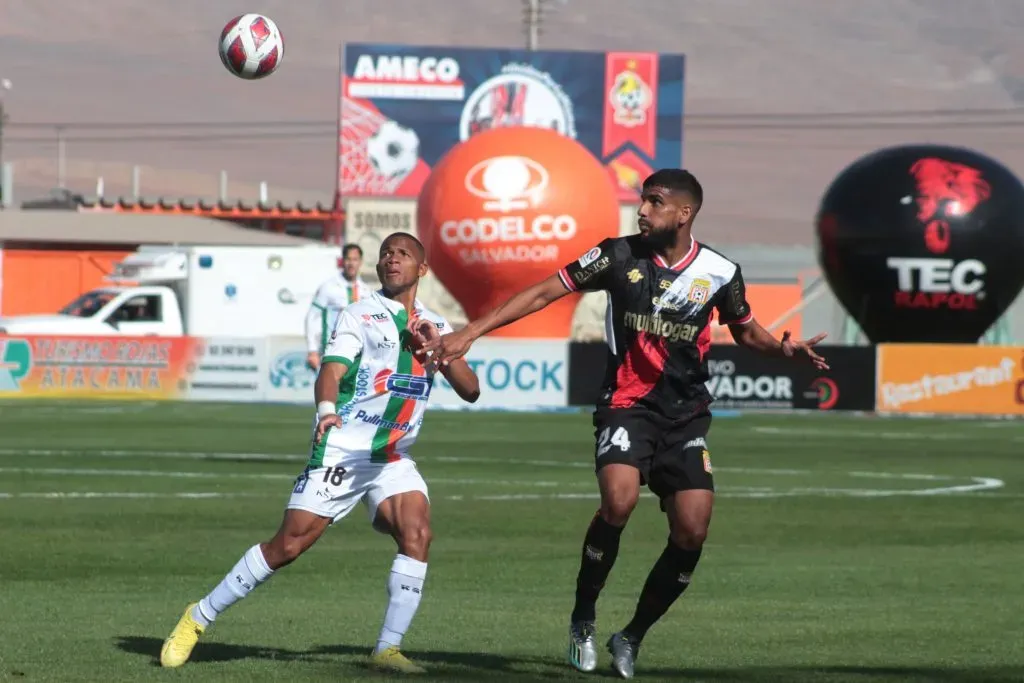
{"x": 371, "y": 396}
{"x": 332, "y": 297}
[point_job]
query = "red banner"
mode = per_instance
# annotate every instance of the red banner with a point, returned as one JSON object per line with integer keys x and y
{"x": 631, "y": 86}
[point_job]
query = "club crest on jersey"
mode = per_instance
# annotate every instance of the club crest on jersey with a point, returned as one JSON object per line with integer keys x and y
{"x": 700, "y": 292}
{"x": 634, "y": 276}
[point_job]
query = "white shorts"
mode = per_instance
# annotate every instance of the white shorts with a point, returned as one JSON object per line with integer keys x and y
{"x": 327, "y": 493}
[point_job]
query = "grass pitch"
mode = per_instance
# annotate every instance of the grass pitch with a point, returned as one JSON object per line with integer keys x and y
{"x": 842, "y": 549}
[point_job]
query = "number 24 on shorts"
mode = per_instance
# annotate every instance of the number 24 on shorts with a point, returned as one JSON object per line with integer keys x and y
{"x": 607, "y": 439}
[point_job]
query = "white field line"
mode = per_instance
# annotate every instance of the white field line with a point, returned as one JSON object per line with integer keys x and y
{"x": 141, "y": 454}
{"x": 977, "y": 484}
{"x": 278, "y": 457}
{"x": 981, "y": 484}
{"x": 124, "y": 494}
{"x": 161, "y": 474}
{"x": 908, "y": 435}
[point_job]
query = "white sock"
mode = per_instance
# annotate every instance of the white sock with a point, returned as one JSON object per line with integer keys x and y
{"x": 405, "y": 588}
{"x": 244, "y": 577}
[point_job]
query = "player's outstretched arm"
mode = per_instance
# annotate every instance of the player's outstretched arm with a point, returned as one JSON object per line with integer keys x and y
{"x": 325, "y": 393}
{"x": 530, "y": 300}
{"x": 463, "y": 380}
{"x": 752, "y": 335}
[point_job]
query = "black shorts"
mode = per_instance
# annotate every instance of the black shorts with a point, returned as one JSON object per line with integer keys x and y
{"x": 671, "y": 455}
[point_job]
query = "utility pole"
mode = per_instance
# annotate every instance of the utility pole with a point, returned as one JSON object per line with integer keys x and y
{"x": 533, "y": 19}
{"x": 61, "y": 159}
{"x": 5, "y": 86}
{"x": 531, "y": 22}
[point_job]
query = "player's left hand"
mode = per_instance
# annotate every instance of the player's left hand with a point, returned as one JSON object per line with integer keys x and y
{"x": 794, "y": 349}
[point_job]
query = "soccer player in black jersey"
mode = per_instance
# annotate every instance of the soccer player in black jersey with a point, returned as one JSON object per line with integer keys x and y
{"x": 652, "y": 417}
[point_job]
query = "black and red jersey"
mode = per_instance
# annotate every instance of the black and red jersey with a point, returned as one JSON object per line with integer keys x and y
{"x": 658, "y": 321}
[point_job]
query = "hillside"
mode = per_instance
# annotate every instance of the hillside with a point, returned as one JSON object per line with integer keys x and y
{"x": 126, "y": 61}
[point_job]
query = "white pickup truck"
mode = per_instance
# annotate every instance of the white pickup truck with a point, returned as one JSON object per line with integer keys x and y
{"x": 195, "y": 291}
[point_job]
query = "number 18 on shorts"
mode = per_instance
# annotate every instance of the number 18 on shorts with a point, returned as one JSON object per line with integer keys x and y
{"x": 334, "y": 491}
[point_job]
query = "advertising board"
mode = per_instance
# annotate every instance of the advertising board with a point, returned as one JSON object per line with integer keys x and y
{"x": 950, "y": 378}
{"x": 404, "y": 106}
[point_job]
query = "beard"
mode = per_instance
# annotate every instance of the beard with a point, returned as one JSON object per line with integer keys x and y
{"x": 659, "y": 238}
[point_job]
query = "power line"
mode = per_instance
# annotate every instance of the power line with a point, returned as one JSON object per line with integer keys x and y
{"x": 269, "y": 136}
{"x": 112, "y": 125}
{"x": 858, "y": 126}
{"x": 866, "y": 114}
{"x": 213, "y": 137}
{"x": 691, "y": 117}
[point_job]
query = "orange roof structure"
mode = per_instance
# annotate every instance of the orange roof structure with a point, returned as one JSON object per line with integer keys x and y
{"x": 240, "y": 209}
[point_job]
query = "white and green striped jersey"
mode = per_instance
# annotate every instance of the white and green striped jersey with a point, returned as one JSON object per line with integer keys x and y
{"x": 384, "y": 393}
{"x": 331, "y": 298}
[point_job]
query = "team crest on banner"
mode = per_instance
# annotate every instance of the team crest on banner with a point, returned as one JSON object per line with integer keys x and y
{"x": 700, "y": 291}
{"x": 630, "y": 97}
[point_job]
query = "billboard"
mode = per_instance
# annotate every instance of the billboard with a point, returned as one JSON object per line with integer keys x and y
{"x": 96, "y": 367}
{"x": 184, "y": 368}
{"x": 951, "y": 379}
{"x": 403, "y": 107}
{"x": 225, "y": 369}
{"x": 289, "y": 379}
{"x": 515, "y": 374}
{"x": 741, "y": 378}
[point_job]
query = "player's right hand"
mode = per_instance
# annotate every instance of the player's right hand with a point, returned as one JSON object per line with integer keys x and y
{"x": 325, "y": 423}
{"x": 450, "y": 347}
{"x": 313, "y": 360}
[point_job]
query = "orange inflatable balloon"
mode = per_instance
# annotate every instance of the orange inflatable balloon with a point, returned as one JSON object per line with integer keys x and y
{"x": 509, "y": 207}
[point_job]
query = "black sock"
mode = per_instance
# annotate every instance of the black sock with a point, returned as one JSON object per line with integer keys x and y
{"x": 600, "y": 548}
{"x": 669, "y": 577}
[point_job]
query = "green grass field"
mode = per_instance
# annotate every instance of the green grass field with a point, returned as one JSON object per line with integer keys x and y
{"x": 842, "y": 549}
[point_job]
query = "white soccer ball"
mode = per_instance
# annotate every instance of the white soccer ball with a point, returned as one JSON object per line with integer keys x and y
{"x": 393, "y": 149}
{"x": 251, "y": 46}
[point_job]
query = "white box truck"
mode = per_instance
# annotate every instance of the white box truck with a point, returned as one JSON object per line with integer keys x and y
{"x": 198, "y": 291}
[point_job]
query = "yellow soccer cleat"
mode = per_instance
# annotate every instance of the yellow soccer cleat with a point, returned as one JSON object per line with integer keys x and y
{"x": 391, "y": 659}
{"x": 183, "y": 638}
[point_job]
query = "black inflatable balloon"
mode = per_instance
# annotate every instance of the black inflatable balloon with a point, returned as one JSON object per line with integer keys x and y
{"x": 923, "y": 243}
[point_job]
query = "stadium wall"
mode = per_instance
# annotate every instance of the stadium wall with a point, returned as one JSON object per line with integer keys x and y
{"x": 524, "y": 375}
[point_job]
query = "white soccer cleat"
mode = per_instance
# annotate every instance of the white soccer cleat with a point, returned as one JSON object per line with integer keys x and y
{"x": 582, "y": 653}
{"x": 624, "y": 650}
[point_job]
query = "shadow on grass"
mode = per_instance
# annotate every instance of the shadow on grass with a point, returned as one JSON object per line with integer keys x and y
{"x": 446, "y": 665}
